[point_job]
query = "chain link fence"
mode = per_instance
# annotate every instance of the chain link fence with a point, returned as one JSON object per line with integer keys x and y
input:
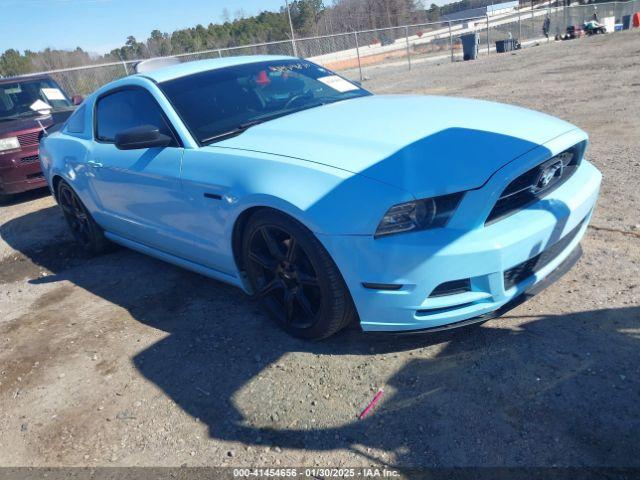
{"x": 357, "y": 54}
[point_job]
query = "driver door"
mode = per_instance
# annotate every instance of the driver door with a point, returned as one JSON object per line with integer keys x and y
{"x": 138, "y": 191}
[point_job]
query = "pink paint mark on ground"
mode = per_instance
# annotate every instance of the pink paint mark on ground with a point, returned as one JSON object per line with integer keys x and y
{"x": 372, "y": 404}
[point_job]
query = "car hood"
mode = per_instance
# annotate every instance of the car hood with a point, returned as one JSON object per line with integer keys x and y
{"x": 426, "y": 145}
{"x": 14, "y": 127}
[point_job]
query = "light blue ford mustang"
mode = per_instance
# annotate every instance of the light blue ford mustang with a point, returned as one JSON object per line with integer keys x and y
{"x": 330, "y": 204}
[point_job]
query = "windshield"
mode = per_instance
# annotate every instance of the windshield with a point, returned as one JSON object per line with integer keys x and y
{"x": 220, "y": 103}
{"x": 17, "y": 98}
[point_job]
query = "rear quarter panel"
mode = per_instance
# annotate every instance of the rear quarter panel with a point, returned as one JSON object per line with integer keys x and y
{"x": 65, "y": 156}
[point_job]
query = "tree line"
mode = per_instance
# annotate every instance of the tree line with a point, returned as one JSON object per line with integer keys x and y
{"x": 309, "y": 17}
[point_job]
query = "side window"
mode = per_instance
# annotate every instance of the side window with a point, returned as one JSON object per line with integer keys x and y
{"x": 126, "y": 109}
{"x": 75, "y": 124}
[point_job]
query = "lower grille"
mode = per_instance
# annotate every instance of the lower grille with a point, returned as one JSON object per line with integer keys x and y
{"x": 524, "y": 270}
{"x": 451, "y": 288}
{"x": 30, "y": 159}
{"x": 31, "y": 138}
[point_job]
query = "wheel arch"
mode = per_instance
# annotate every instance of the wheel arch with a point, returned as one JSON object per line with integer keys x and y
{"x": 55, "y": 182}
{"x": 242, "y": 219}
{"x": 58, "y": 176}
{"x": 237, "y": 236}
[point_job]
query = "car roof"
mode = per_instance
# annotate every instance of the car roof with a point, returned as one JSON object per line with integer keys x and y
{"x": 189, "y": 68}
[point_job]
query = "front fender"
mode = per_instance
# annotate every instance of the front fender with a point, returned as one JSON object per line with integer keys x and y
{"x": 325, "y": 199}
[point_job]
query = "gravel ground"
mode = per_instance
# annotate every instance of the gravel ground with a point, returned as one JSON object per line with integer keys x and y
{"x": 124, "y": 360}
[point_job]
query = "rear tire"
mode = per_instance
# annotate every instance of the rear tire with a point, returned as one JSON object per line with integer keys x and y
{"x": 86, "y": 232}
{"x": 294, "y": 277}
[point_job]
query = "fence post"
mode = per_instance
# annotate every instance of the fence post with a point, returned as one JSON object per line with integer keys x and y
{"x": 533, "y": 33}
{"x": 124, "y": 65}
{"x": 450, "y": 40}
{"x": 519, "y": 27}
{"x": 219, "y": 54}
{"x": 358, "y": 53}
{"x": 406, "y": 33}
{"x": 549, "y": 17}
{"x": 488, "y": 43}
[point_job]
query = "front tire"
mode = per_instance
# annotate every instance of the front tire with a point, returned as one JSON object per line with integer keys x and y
{"x": 294, "y": 277}
{"x": 86, "y": 232}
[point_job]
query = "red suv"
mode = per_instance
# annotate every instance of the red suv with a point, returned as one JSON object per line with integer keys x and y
{"x": 27, "y": 106}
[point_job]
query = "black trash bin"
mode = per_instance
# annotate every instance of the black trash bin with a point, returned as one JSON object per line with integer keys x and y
{"x": 626, "y": 22}
{"x": 470, "y": 46}
{"x": 507, "y": 45}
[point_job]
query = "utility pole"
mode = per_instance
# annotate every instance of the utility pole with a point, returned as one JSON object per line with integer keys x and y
{"x": 293, "y": 38}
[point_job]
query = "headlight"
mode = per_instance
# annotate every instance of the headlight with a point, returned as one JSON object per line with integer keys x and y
{"x": 419, "y": 215}
{"x": 10, "y": 143}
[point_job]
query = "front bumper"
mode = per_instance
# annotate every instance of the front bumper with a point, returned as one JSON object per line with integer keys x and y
{"x": 421, "y": 261}
{"x": 20, "y": 171}
{"x": 566, "y": 265}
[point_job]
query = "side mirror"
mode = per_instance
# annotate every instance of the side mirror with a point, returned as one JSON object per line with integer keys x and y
{"x": 144, "y": 136}
{"x": 77, "y": 99}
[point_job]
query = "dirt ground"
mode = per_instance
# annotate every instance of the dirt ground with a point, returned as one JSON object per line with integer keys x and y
{"x": 124, "y": 360}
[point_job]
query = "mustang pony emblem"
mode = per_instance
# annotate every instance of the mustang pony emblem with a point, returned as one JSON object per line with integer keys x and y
{"x": 548, "y": 176}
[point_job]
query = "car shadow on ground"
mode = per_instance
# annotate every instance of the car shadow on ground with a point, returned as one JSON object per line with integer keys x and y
{"x": 557, "y": 390}
{"x": 17, "y": 198}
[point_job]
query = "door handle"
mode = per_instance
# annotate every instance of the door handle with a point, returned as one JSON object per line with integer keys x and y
{"x": 94, "y": 164}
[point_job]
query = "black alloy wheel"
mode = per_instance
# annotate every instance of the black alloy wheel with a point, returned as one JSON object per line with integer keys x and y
{"x": 83, "y": 227}
{"x": 294, "y": 277}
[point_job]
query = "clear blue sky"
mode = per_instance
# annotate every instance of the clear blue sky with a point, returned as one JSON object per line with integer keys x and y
{"x": 101, "y": 25}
